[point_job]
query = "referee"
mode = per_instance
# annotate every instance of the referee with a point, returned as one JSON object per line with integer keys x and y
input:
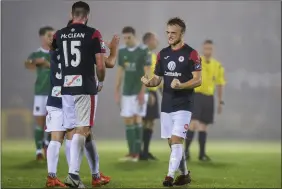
{"x": 150, "y": 40}
{"x": 203, "y": 113}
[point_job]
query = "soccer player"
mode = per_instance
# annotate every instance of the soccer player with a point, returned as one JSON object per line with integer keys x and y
{"x": 179, "y": 66}
{"x": 40, "y": 61}
{"x": 203, "y": 112}
{"x": 55, "y": 123}
{"x": 150, "y": 40}
{"x": 134, "y": 60}
{"x": 81, "y": 47}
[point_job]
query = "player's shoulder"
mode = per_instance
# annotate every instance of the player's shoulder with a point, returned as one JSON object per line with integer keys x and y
{"x": 164, "y": 50}
{"x": 143, "y": 47}
{"x": 190, "y": 49}
{"x": 122, "y": 48}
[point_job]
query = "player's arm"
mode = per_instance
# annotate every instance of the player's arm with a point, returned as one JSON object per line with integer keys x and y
{"x": 196, "y": 81}
{"x": 220, "y": 82}
{"x": 110, "y": 61}
{"x": 119, "y": 76}
{"x": 31, "y": 63}
{"x": 157, "y": 77}
{"x": 99, "y": 50}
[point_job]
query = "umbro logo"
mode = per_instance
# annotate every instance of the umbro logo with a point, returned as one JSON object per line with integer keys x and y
{"x": 166, "y": 57}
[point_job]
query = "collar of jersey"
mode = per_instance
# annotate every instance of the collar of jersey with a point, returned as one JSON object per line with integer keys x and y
{"x": 132, "y": 48}
{"x": 43, "y": 50}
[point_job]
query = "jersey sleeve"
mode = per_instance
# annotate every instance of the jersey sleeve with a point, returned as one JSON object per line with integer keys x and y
{"x": 120, "y": 62}
{"x": 98, "y": 43}
{"x": 147, "y": 58}
{"x": 220, "y": 79}
{"x": 31, "y": 56}
{"x": 196, "y": 60}
{"x": 159, "y": 68}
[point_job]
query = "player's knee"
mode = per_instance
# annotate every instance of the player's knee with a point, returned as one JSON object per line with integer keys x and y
{"x": 138, "y": 119}
{"x": 151, "y": 124}
{"x": 129, "y": 121}
{"x": 69, "y": 134}
{"x": 85, "y": 131}
{"x": 202, "y": 127}
{"x": 40, "y": 121}
{"x": 193, "y": 125}
{"x": 58, "y": 136}
{"x": 176, "y": 140}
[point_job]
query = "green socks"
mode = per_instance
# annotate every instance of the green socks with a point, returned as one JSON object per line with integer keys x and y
{"x": 38, "y": 136}
{"x": 130, "y": 137}
{"x": 138, "y": 138}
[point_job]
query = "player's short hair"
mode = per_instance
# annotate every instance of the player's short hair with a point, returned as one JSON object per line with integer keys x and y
{"x": 80, "y": 8}
{"x": 147, "y": 36}
{"x": 128, "y": 29}
{"x": 208, "y": 41}
{"x": 42, "y": 31}
{"x": 177, "y": 21}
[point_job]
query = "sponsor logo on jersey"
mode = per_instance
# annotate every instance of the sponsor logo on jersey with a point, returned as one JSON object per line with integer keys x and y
{"x": 72, "y": 35}
{"x": 171, "y": 66}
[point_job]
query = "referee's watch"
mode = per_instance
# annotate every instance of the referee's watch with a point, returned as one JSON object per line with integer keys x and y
{"x": 221, "y": 102}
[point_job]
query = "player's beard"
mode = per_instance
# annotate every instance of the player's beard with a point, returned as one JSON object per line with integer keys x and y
{"x": 176, "y": 42}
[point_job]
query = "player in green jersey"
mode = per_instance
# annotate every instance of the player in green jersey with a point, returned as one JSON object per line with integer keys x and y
{"x": 40, "y": 61}
{"x": 134, "y": 60}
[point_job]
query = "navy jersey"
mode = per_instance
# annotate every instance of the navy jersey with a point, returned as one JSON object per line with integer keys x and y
{"x": 78, "y": 44}
{"x": 177, "y": 64}
{"x": 55, "y": 97}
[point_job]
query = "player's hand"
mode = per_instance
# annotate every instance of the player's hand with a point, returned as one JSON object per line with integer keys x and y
{"x": 145, "y": 80}
{"x": 113, "y": 45}
{"x": 219, "y": 109}
{"x": 140, "y": 98}
{"x": 175, "y": 84}
{"x": 100, "y": 86}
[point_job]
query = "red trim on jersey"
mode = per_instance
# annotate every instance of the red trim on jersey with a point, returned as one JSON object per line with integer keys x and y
{"x": 194, "y": 56}
{"x": 92, "y": 110}
{"x": 96, "y": 34}
{"x": 158, "y": 57}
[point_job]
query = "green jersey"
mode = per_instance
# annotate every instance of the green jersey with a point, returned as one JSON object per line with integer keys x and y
{"x": 42, "y": 84}
{"x": 133, "y": 61}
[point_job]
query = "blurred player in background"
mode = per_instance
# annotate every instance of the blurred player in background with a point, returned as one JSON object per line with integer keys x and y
{"x": 40, "y": 60}
{"x": 203, "y": 112}
{"x": 150, "y": 40}
{"x": 134, "y": 60}
{"x": 179, "y": 65}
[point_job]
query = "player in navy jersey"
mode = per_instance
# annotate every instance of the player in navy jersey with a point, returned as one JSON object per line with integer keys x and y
{"x": 81, "y": 48}
{"x": 55, "y": 122}
{"x": 179, "y": 66}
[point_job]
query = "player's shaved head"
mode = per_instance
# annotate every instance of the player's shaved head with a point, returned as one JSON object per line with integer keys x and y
{"x": 177, "y": 21}
{"x": 208, "y": 41}
{"x": 80, "y": 9}
{"x": 147, "y": 36}
{"x": 208, "y": 48}
{"x": 150, "y": 39}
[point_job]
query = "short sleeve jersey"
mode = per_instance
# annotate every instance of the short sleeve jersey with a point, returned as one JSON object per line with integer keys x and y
{"x": 55, "y": 97}
{"x": 78, "y": 44}
{"x": 42, "y": 84}
{"x": 133, "y": 61}
{"x": 177, "y": 64}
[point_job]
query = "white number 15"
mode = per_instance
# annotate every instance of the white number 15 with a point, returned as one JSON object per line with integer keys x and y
{"x": 74, "y": 51}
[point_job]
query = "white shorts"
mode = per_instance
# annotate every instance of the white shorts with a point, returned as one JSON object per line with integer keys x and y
{"x": 130, "y": 106}
{"x": 175, "y": 123}
{"x": 54, "y": 119}
{"x": 78, "y": 110}
{"x": 39, "y": 105}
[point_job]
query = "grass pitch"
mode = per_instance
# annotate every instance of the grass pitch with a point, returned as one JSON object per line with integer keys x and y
{"x": 234, "y": 165}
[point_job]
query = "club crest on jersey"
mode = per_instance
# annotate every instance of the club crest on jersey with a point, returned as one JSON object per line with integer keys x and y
{"x": 181, "y": 59}
{"x": 72, "y": 30}
{"x": 171, "y": 65}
